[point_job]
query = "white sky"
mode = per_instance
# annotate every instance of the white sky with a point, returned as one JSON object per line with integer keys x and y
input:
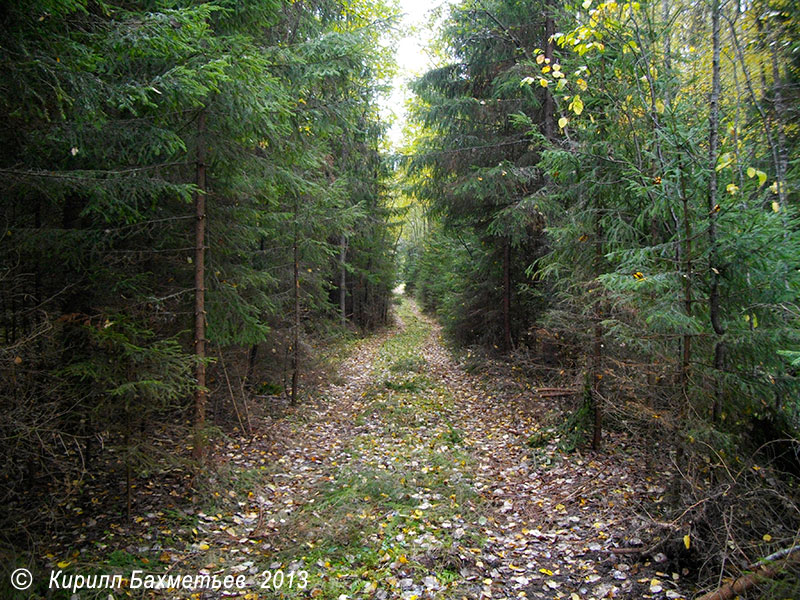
{"x": 412, "y": 59}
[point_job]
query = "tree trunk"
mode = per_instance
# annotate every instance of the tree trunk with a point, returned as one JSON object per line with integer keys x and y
{"x": 597, "y": 345}
{"x": 780, "y": 114}
{"x": 342, "y": 279}
{"x": 507, "y": 294}
{"x": 687, "y": 284}
{"x": 296, "y": 327}
{"x": 199, "y": 292}
{"x": 252, "y": 357}
{"x": 713, "y": 208}
{"x": 548, "y": 118}
{"x": 597, "y": 380}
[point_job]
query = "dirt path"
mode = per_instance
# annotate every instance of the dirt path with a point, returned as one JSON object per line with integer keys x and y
{"x": 558, "y": 525}
{"x": 414, "y": 479}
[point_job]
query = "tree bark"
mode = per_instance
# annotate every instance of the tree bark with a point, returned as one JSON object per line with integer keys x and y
{"x": 200, "y": 291}
{"x": 507, "y": 294}
{"x": 597, "y": 345}
{"x": 713, "y": 150}
{"x": 713, "y": 208}
{"x": 687, "y": 284}
{"x": 343, "y": 279}
{"x": 597, "y": 381}
{"x": 548, "y": 118}
{"x": 296, "y": 327}
{"x": 780, "y": 114}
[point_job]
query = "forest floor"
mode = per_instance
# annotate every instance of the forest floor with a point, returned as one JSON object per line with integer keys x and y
{"x": 409, "y": 477}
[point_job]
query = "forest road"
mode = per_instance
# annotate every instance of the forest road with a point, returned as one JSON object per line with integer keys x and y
{"x": 413, "y": 478}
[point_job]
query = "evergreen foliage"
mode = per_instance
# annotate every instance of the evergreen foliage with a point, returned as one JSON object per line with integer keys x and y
{"x": 474, "y": 165}
{"x": 110, "y": 110}
{"x": 644, "y": 261}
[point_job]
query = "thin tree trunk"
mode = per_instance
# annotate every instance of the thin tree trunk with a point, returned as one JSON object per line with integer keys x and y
{"x": 296, "y": 328}
{"x": 687, "y": 284}
{"x": 713, "y": 150}
{"x": 597, "y": 381}
{"x": 507, "y": 294}
{"x": 252, "y": 357}
{"x": 780, "y": 113}
{"x": 549, "y": 106}
{"x": 713, "y": 208}
{"x": 128, "y": 470}
{"x": 597, "y": 346}
{"x": 342, "y": 279}
{"x": 200, "y": 291}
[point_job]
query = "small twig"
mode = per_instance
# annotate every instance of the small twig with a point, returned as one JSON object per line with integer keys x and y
{"x": 582, "y": 487}
{"x": 230, "y": 391}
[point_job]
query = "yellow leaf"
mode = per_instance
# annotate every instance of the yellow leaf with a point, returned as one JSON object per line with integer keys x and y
{"x": 586, "y": 3}
{"x": 402, "y": 560}
{"x": 545, "y": 69}
{"x": 543, "y": 82}
{"x": 762, "y": 177}
{"x": 562, "y": 122}
{"x": 687, "y": 541}
{"x": 767, "y": 537}
{"x": 724, "y": 160}
{"x": 660, "y": 106}
{"x": 560, "y": 507}
{"x": 540, "y": 59}
{"x": 546, "y": 571}
{"x": 774, "y": 187}
{"x": 732, "y": 188}
{"x": 576, "y": 105}
{"x": 204, "y": 546}
{"x": 63, "y": 564}
{"x": 582, "y": 84}
{"x": 751, "y": 172}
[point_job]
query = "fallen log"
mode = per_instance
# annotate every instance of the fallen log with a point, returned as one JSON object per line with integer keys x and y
{"x": 765, "y": 571}
{"x": 555, "y": 392}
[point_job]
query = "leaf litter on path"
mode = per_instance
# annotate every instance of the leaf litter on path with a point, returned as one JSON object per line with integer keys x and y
{"x": 413, "y": 479}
